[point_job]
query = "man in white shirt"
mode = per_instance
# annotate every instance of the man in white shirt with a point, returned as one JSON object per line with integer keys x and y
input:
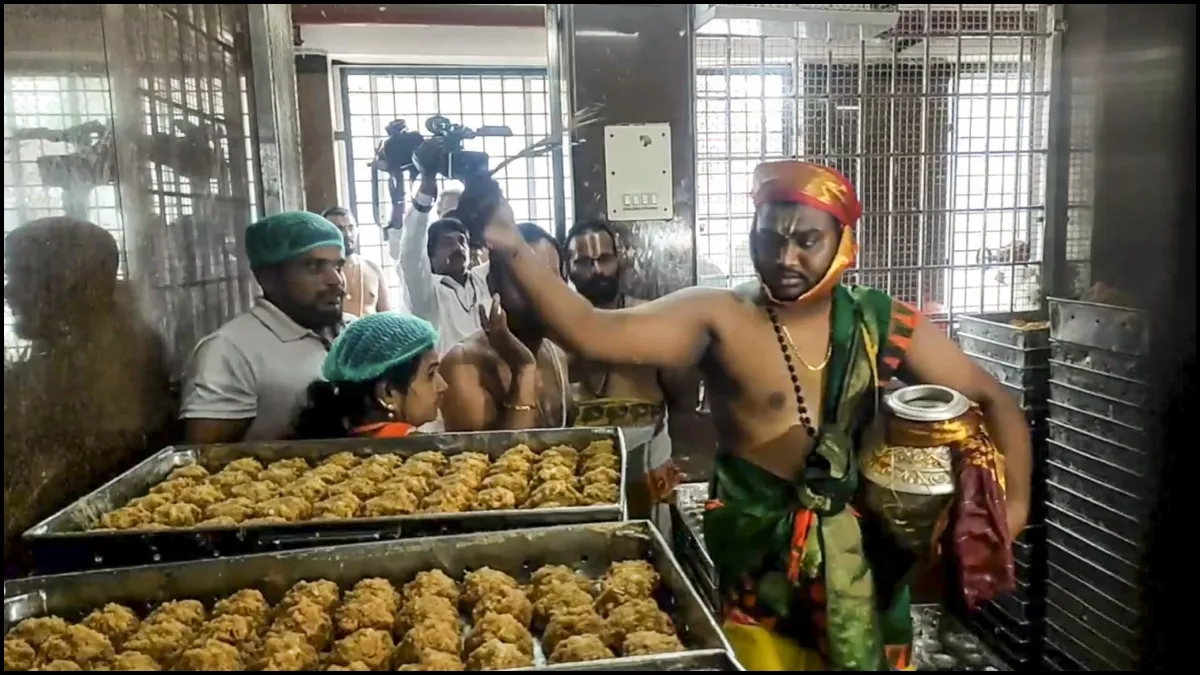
{"x": 249, "y": 379}
{"x": 433, "y": 263}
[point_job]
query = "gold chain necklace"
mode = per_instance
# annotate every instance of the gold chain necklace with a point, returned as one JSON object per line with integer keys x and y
{"x": 787, "y": 335}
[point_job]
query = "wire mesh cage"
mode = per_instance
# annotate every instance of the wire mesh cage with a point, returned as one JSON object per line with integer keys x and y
{"x": 939, "y": 121}
{"x": 514, "y": 97}
{"x": 201, "y": 174}
{"x": 168, "y": 86}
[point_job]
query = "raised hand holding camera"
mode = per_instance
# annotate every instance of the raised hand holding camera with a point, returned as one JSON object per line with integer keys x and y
{"x": 429, "y": 157}
{"x": 406, "y": 153}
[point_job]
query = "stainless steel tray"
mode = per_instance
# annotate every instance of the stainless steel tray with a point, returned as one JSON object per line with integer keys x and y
{"x": 700, "y": 660}
{"x": 1090, "y": 324}
{"x": 1002, "y": 329}
{"x": 62, "y": 542}
{"x": 589, "y": 548}
{"x": 687, "y": 509}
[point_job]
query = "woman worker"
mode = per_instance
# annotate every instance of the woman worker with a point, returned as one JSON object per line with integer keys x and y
{"x": 380, "y": 380}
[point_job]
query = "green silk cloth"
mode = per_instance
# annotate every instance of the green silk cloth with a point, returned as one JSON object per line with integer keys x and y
{"x": 749, "y": 527}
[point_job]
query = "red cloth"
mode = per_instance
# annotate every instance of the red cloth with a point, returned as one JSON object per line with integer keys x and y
{"x": 980, "y": 538}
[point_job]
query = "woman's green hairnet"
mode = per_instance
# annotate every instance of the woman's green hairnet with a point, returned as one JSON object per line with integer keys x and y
{"x": 371, "y": 346}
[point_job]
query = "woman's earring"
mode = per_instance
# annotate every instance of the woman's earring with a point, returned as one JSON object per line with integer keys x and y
{"x": 391, "y": 410}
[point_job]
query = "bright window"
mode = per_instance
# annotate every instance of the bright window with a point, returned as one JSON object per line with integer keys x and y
{"x": 741, "y": 120}
{"x": 51, "y": 104}
{"x": 516, "y": 98}
{"x": 996, "y": 238}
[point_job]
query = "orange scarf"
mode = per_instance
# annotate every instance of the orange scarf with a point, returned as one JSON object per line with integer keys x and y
{"x": 383, "y": 430}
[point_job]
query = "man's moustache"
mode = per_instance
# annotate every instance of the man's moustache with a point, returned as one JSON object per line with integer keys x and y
{"x": 599, "y": 282}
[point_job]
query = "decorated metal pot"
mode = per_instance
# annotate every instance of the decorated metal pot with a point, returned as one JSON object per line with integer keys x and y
{"x": 910, "y": 479}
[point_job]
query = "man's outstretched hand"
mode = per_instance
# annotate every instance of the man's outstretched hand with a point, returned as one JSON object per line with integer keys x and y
{"x": 488, "y": 216}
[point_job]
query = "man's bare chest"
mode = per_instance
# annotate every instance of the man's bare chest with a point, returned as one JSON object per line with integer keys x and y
{"x": 766, "y": 381}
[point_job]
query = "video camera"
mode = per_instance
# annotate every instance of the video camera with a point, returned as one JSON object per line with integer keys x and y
{"x": 454, "y": 162}
{"x": 406, "y": 152}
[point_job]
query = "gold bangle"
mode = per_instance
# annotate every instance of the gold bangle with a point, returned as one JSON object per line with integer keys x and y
{"x": 519, "y": 408}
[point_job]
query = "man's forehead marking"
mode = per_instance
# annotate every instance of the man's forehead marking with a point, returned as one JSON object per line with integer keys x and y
{"x": 593, "y": 240}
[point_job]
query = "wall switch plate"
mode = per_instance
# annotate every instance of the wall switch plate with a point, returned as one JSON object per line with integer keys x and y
{"x": 639, "y": 184}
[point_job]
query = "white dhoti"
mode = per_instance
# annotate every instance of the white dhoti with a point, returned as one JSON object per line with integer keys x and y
{"x": 651, "y": 473}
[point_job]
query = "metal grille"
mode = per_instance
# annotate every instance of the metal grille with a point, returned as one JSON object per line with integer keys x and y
{"x": 178, "y": 91}
{"x": 1080, "y": 177}
{"x": 938, "y": 122}
{"x": 201, "y": 176}
{"x": 54, "y": 104}
{"x": 516, "y": 98}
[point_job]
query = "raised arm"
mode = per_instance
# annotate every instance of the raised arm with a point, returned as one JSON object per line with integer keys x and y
{"x": 383, "y": 301}
{"x": 468, "y": 405}
{"x": 933, "y": 358}
{"x": 416, "y": 272}
{"x": 672, "y": 331}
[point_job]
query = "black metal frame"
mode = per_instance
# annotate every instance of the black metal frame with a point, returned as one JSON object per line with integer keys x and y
{"x": 408, "y": 71}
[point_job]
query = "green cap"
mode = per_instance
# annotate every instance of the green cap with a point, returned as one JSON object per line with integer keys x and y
{"x": 283, "y": 236}
{"x": 376, "y": 343}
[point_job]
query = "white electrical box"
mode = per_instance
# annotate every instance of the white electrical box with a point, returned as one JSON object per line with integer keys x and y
{"x": 638, "y": 179}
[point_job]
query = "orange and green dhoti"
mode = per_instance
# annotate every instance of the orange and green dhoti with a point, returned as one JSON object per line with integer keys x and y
{"x": 809, "y": 583}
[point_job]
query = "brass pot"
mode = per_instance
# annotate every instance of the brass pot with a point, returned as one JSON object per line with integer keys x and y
{"x": 911, "y": 483}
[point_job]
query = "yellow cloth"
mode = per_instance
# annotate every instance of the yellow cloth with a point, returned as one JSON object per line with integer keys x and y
{"x": 757, "y": 648}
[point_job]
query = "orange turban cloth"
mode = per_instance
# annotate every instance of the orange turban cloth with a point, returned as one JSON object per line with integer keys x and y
{"x": 821, "y": 187}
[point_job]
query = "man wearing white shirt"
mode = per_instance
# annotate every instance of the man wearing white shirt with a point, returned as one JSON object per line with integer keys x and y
{"x": 433, "y": 263}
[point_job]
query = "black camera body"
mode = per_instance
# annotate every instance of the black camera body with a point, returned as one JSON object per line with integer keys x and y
{"x": 395, "y": 154}
{"x": 405, "y": 153}
{"x": 455, "y": 162}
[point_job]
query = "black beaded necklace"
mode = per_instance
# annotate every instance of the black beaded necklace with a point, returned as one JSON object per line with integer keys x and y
{"x": 801, "y": 405}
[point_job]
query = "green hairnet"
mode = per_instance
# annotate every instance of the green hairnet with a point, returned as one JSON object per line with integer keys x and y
{"x": 283, "y": 236}
{"x": 376, "y": 343}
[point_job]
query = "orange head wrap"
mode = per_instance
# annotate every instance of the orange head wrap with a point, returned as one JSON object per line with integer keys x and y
{"x": 794, "y": 182}
{"x": 799, "y": 182}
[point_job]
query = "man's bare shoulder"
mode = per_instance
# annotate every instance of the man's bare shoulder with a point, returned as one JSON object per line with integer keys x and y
{"x": 748, "y": 293}
{"x": 474, "y": 351}
{"x": 371, "y": 265}
{"x": 692, "y": 295}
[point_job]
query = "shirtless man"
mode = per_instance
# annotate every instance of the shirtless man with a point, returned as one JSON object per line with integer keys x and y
{"x": 91, "y": 395}
{"x": 366, "y": 291}
{"x": 594, "y": 267}
{"x": 623, "y": 396}
{"x": 794, "y": 365}
{"x": 509, "y": 376}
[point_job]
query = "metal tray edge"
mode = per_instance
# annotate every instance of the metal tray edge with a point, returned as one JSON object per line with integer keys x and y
{"x": 32, "y": 591}
{"x": 43, "y": 530}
